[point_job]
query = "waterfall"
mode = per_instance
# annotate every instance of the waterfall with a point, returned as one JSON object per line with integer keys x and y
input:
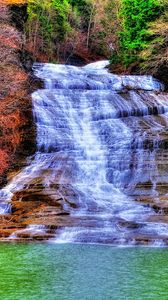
{"x": 102, "y": 136}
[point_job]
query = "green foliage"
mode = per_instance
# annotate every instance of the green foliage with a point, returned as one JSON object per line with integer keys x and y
{"x": 136, "y": 16}
{"x": 115, "y": 58}
{"x": 51, "y": 17}
{"x": 127, "y": 29}
{"x": 84, "y": 8}
{"x": 50, "y": 21}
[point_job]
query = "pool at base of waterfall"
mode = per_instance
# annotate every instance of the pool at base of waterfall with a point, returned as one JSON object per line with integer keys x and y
{"x": 82, "y": 272}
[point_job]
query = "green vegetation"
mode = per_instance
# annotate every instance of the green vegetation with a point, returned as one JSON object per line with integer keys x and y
{"x": 136, "y": 16}
{"x": 47, "y": 21}
{"x": 52, "y": 22}
{"x": 141, "y": 31}
{"x": 128, "y": 31}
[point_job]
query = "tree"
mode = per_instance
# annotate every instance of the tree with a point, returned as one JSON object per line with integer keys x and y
{"x": 136, "y": 16}
{"x": 47, "y": 24}
{"x": 104, "y": 23}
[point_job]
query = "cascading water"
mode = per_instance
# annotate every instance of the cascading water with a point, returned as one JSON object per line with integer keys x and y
{"x": 102, "y": 136}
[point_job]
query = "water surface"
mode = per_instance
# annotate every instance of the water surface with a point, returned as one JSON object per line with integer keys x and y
{"x": 82, "y": 272}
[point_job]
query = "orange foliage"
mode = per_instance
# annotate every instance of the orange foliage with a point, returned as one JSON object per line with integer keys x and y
{"x": 21, "y": 76}
{"x": 11, "y": 137}
{"x": 9, "y": 36}
{"x": 3, "y": 161}
{"x": 12, "y": 1}
{"x": 11, "y": 121}
{"x": 13, "y": 89}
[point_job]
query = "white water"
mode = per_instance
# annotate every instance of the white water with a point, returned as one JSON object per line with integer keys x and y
{"x": 101, "y": 140}
{"x": 30, "y": 229}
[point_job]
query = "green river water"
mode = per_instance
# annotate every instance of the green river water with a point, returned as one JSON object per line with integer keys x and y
{"x": 82, "y": 272}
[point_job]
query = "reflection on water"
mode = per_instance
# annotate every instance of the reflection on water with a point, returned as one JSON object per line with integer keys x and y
{"x": 82, "y": 272}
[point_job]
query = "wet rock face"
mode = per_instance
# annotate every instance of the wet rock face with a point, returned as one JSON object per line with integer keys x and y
{"x": 162, "y": 73}
{"x": 26, "y": 60}
{"x": 37, "y": 214}
{"x": 17, "y": 132}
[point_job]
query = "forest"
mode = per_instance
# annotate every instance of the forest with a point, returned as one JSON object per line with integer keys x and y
{"x": 131, "y": 33}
